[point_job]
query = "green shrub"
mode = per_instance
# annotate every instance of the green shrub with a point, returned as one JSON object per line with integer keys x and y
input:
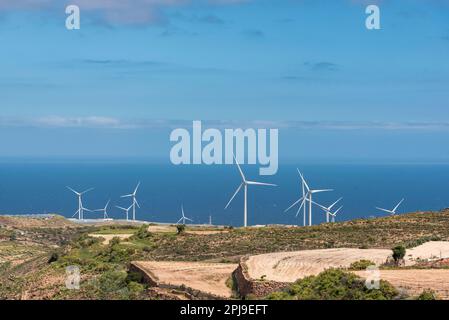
{"x": 398, "y": 253}
{"x": 142, "y": 233}
{"x": 427, "y": 295}
{"x": 114, "y": 241}
{"x": 180, "y": 228}
{"x": 335, "y": 284}
{"x": 361, "y": 265}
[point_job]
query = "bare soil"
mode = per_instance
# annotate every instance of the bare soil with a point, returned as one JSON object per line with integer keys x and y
{"x": 205, "y": 277}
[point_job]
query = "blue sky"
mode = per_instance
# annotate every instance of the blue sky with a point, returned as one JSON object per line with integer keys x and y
{"x": 137, "y": 68}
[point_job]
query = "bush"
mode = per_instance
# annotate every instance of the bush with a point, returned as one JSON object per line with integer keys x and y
{"x": 143, "y": 232}
{"x": 53, "y": 257}
{"x": 335, "y": 284}
{"x": 427, "y": 295}
{"x": 180, "y": 228}
{"x": 361, "y": 265}
{"x": 114, "y": 241}
{"x": 398, "y": 253}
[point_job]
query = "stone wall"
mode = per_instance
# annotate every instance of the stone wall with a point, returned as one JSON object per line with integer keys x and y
{"x": 248, "y": 287}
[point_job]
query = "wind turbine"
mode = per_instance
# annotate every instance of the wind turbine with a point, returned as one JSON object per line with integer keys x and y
{"x": 392, "y": 212}
{"x": 335, "y": 214}
{"x": 105, "y": 210}
{"x": 245, "y": 183}
{"x": 126, "y": 210}
{"x": 133, "y": 196}
{"x": 303, "y": 200}
{"x": 309, "y": 194}
{"x": 328, "y": 209}
{"x": 81, "y": 208}
{"x": 183, "y": 218}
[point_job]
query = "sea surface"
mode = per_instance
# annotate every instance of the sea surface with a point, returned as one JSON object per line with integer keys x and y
{"x": 40, "y": 188}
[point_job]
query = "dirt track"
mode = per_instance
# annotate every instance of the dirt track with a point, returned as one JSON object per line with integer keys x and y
{"x": 206, "y": 277}
{"x": 413, "y": 282}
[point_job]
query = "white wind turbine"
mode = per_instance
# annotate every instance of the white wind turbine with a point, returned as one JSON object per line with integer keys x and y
{"x": 303, "y": 200}
{"x": 309, "y": 194}
{"x": 328, "y": 209}
{"x": 104, "y": 210}
{"x": 81, "y": 208}
{"x": 133, "y": 196}
{"x": 392, "y": 212}
{"x": 335, "y": 214}
{"x": 183, "y": 218}
{"x": 126, "y": 210}
{"x": 245, "y": 183}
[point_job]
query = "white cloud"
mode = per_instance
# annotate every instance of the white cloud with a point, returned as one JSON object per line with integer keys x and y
{"x": 102, "y": 122}
{"x": 112, "y": 11}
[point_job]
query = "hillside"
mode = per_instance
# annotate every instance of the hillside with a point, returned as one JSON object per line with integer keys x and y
{"x": 26, "y": 246}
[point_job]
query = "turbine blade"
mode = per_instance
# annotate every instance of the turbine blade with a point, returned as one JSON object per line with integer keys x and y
{"x": 385, "y": 210}
{"x": 237, "y": 191}
{"x": 179, "y": 221}
{"x": 336, "y": 211}
{"x": 300, "y": 207}
{"x": 321, "y": 206}
{"x": 126, "y": 196}
{"x": 303, "y": 180}
{"x": 73, "y": 191}
{"x": 294, "y": 204}
{"x": 138, "y": 205}
{"x": 121, "y": 208}
{"x": 188, "y": 219}
{"x": 240, "y": 169}
{"x": 107, "y": 204}
{"x": 333, "y": 204}
{"x": 395, "y": 208}
{"x": 137, "y": 188}
{"x": 255, "y": 183}
{"x": 86, "y": 191}
{"x": 322, "y": 190}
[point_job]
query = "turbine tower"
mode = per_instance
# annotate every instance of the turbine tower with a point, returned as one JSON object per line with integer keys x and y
{"x": 105, "y": 210}
{"x": 393, "y": 211}
{"x": 133, "y": 196}
{"x": 245, "y": 183}
{"x": 126, "y": 210}
{"x": 81, "y": 208}
{"x": 309, "y": 194}
{"x": 183, "y": 218}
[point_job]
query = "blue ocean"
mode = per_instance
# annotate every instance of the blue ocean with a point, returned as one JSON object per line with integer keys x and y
{"x": 27, "y": 188}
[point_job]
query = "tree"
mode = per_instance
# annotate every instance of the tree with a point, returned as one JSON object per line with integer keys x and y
{"x": 180, "y": 228}
{"x": 398, "y": 253}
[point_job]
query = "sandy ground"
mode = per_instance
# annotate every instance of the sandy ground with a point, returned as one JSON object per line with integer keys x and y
{"x": 414, "y": 282}
{"x": 108, "y": 237}
{"x": 162, "y": 229}
{"x": 291, "y": 266}
{"x": 206, "y": 277}
{"x": 428, "y": 250}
